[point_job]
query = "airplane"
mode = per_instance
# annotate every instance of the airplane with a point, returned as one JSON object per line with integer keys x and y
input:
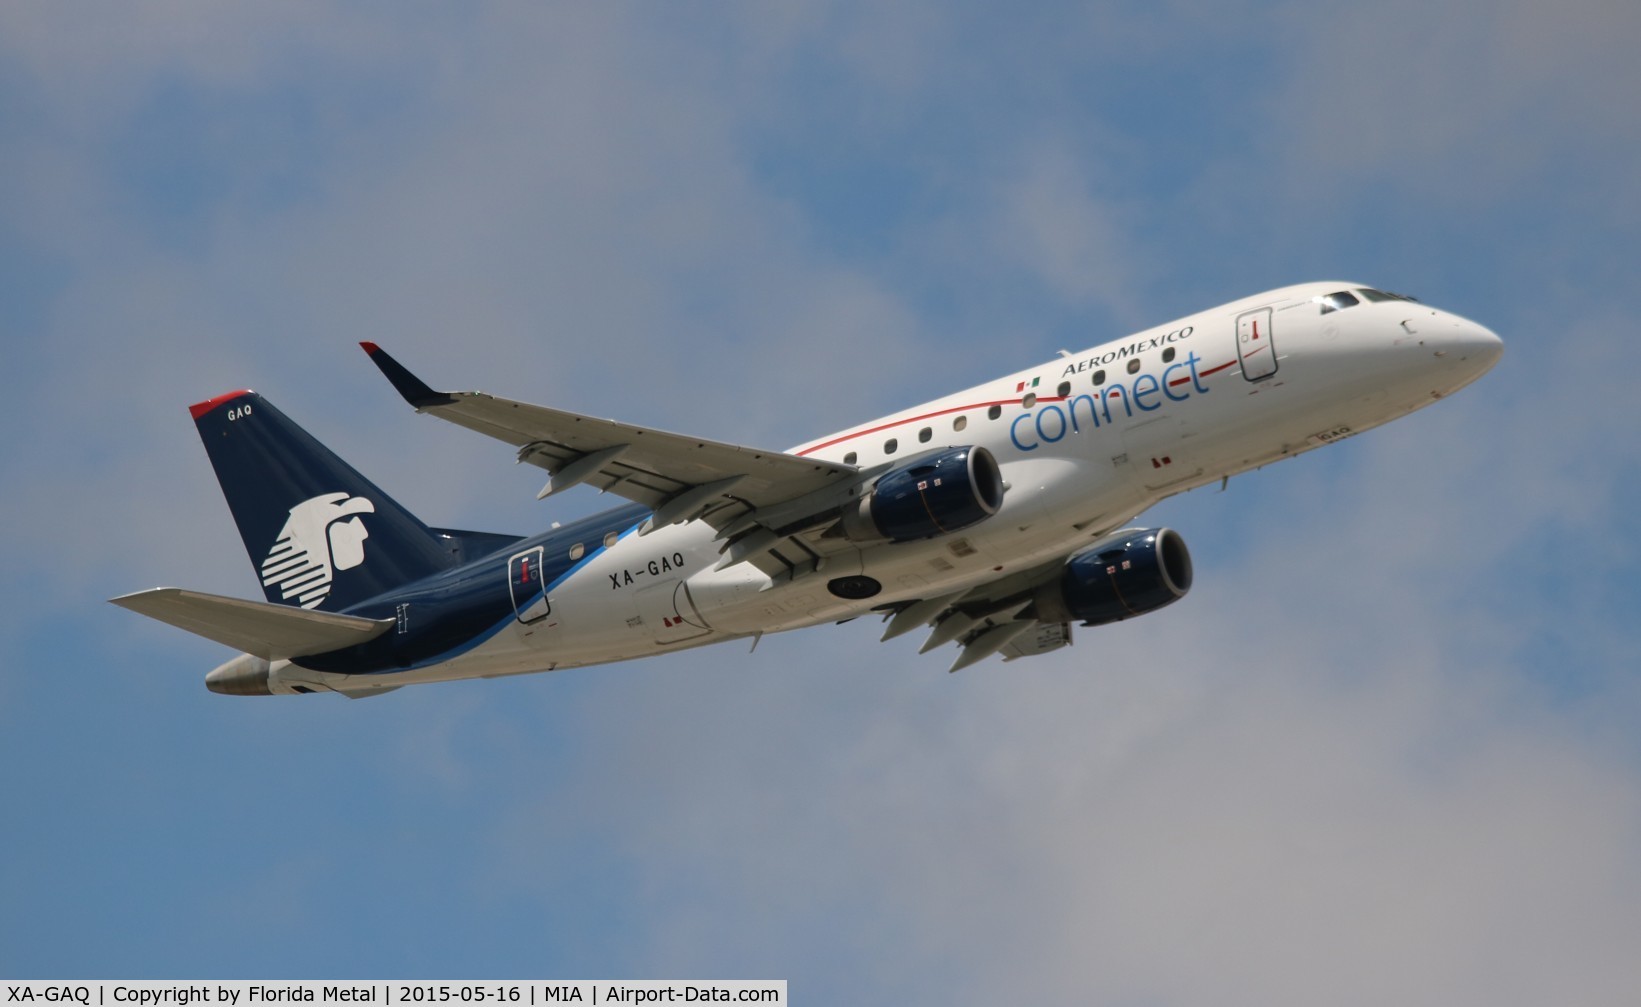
{"x": 994, "y": 518}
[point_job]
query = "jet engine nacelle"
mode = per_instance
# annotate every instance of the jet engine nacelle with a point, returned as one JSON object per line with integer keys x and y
{"x": 1138, "y": 573}
{"x": 931, "y": 496}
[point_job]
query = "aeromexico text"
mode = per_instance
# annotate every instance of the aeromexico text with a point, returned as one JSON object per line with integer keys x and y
{"x": 1133, "y": 349}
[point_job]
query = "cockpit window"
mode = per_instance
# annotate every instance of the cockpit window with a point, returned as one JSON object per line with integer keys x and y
{"x": 1338, "y": 301}
{"x": 1383, "y": 295}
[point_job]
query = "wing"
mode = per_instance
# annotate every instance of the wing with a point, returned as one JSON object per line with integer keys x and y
{"x": 995, "y": 617}
{"x": 758, "y": 500}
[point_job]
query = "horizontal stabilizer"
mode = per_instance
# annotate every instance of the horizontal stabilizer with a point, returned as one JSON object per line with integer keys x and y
{"x": 269, "y": 631}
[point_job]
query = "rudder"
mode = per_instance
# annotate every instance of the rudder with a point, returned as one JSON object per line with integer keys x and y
{"x": 320, "y": 535}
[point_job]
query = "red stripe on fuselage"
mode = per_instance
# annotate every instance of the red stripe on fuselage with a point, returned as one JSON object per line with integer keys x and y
{"x": 913, "y": 419}
{"x": 961, "y": 409}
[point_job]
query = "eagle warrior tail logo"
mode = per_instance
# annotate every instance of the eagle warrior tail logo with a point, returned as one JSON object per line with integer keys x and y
{"x": 323, "y": 534}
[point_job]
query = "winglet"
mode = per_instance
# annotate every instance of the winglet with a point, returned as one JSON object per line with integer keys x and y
{"x": 415, "y": 391}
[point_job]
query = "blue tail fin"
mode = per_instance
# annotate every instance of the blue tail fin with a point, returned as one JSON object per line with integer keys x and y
{"x": 320, "y": 535}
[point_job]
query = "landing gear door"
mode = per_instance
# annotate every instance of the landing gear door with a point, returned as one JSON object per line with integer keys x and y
{"x": 1253, "y": 344}
{"x": 529, "y": 589}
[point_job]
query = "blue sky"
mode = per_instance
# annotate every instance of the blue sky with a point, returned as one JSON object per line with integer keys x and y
{"x": 1383, "y": 753}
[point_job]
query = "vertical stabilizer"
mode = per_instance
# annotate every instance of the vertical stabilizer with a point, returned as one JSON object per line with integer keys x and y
{"x": 320, "y": 535}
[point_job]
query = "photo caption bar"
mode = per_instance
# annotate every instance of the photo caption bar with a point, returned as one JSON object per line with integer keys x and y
{"x": 390, "y": 993}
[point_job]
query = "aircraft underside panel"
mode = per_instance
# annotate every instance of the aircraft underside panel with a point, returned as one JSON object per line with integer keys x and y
{"x": 668, "y": 614}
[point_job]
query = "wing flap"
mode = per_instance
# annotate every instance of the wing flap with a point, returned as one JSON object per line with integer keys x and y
{"x": 1040, "y": 639}
{"x": 269, "y": 631}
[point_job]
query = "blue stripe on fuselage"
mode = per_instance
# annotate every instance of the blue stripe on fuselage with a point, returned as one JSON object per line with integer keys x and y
{"x": 448, "y": 614}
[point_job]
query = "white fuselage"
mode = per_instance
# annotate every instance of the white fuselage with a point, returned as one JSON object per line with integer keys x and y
{"x": 1085, "y": 442}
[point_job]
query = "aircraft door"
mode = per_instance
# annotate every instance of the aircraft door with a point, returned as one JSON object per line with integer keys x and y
{"x": 525, "y": 573}
{"x": 1253, "y": 344}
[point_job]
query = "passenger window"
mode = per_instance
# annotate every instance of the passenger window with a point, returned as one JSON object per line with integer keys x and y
{"x": 1064, "y": 390}
{"x": 1029, "y": 401}
{"x": 1134, "y": 366}
{"x": 1099, "y": 377}
{"x": 890, "y": 445}
{"x": 1339, "y": 301}
{"x": 577, "y": 551}
{"x": 924, "y": 435}
{"x": 611, "y": 538}
{"x": 849, "y": 459}
{"x": 960, "y": 423}
{"x": 1168, "y": 355}
{"x": 994, "y": 412}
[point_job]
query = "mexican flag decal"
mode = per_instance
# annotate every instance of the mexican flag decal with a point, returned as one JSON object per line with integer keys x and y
{"x": 1022, "y": 386}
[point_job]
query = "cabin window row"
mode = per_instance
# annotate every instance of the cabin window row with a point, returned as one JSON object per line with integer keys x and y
{"x": 580, "y": 549}
{"x": 995, "y": 410}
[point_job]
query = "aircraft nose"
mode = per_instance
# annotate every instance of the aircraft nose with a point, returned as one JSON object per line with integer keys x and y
{"x": 1469, "y": 343}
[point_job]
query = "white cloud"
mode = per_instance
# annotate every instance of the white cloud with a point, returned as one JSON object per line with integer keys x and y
{"x": 1472, "y": 102}
{"x": 566, "y": 218}
{"x": 1051, "y": 221}
{"x": 1165, "y": 813}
